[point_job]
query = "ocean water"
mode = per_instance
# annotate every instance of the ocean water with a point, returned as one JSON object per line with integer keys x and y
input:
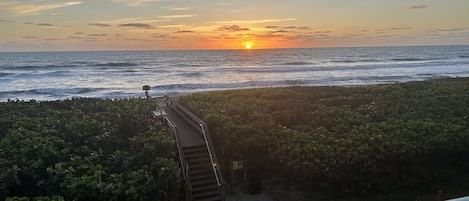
{"x": 121, "y": 74}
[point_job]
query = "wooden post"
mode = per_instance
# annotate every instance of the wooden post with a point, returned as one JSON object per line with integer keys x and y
{"x": 146, "y": 88}
{"x": 439, "y": 196}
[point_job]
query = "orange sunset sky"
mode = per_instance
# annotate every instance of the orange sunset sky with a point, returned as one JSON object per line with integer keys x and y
{"x": 55, "y": 25}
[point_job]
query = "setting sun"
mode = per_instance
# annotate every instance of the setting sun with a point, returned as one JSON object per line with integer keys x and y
{"x": 248, "y": 44}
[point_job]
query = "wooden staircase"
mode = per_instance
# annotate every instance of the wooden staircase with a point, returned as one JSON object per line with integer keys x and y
{"x": 204, "y": 186}
{"x": 202, "y": 176}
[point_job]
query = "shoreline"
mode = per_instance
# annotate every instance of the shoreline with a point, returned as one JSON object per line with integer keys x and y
{"x": 180, "y": 94}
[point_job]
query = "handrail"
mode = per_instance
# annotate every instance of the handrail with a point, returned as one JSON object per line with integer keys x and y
{"x": 184, "y": 165}
{"x": 196, "y": 123}
{"x": 181, "y": 158}
{"x": 210, "y": 154}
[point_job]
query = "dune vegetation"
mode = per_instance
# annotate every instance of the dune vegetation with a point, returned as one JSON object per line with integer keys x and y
{"x": 345, "y": 141}
{"x": 86, "y": 149}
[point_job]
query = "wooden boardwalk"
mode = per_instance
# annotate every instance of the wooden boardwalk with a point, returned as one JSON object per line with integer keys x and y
{"x": 188, "y": 135}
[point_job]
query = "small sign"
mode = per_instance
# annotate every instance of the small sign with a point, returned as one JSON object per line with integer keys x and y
{"x": 237, "y": 165}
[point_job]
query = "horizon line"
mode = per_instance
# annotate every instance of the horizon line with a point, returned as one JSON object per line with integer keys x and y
{"x": 233, "y": 49}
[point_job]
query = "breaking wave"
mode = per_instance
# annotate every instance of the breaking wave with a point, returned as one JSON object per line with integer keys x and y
{"x": 116, "y": 64}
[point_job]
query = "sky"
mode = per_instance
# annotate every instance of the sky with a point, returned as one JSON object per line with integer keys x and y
{"x": 58, "y": 25}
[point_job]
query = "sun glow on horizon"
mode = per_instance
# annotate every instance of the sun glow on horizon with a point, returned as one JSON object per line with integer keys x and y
{"x": 248, "y": 45}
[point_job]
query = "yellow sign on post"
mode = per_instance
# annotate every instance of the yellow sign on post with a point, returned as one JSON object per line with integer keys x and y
{"x": 237, "y": 165}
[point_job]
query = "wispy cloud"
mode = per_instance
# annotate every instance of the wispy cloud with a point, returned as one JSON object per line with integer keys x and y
{"x": 19, "y": 8}
{"x": 450, "y": 30}
{"x": 254, "y": 21}
{"x": 400, "y": 28}
{"x": 184, "y": 31}
{"x": 97, "y": 35}
{"x": 40, "y": 24}
{"x": 135, "y": 3}
{"x": 325, "y": 32}
{"x": 52, "y": 39}
{"x": 45, "y": 24}
{"x": 289, "y": 27}
{"x": 176, "y": 8}
{"x": 264, "y": 35}
{"x": 137, "y": 25}
{"x": 232, "y": 28}
{"x": 171, "y": 26}
{"x": 100, "y": 24}
{"x": 280, "y": 31}
{"x": 152, "y": 21}
{"x": 163, "y": 36}
{"x": 417, "y": 6}
{"x": 75, "y": 37}
{"x": 297, "y": 27}
{"x": 175, "y": 16}
{"x": 132, "y": 20}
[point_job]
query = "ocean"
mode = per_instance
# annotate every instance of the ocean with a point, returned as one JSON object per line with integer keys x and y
{"x": 121, "y": 74}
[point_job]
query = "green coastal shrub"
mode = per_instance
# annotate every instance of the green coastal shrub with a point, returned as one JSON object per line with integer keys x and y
{"x": 345, "y": 140}
{"x": 86, "y": 149}
{"x": 37, "y": 198}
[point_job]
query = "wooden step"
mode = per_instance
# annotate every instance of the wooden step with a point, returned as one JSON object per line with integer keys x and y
{"x": 195, "y": 151}
{"x": 197, "y": 178}
{"x": 205, "y": 188}
{"x": 203, "y": 183}
{"x": 206, "y": 194}
{"x": 210, "y": 199}
{"x": 197, "y": 166}
{"x": 196, "y": 156}
{"x": 194, "y": 148}
{"x": 197, "y": 160}
{"x": 200, "y": 172}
